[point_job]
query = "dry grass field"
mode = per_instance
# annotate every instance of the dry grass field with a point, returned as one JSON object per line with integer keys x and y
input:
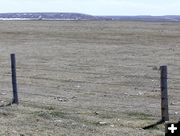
{"x": 81, "y": 78}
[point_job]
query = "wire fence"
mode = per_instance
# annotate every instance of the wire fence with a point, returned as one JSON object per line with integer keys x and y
{"x": 119, "y": 84}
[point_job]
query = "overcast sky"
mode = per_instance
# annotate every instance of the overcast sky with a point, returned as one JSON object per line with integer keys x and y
{"x": 94, "y": 7}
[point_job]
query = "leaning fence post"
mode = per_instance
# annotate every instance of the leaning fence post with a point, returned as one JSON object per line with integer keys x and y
{"x": 164, "y": 94}
{"x": 14, "y": 83}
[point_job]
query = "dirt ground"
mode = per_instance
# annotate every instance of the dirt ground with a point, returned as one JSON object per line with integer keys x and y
{"x": 81, "y": 78}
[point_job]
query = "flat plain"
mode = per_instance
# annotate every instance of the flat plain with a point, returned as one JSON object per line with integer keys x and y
{"x": 88, "y": 78}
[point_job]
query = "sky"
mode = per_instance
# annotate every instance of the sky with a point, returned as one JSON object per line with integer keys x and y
{"x": 94, "y": 7}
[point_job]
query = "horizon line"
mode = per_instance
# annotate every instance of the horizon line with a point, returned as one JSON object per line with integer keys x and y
{"x": 88, "y": 14}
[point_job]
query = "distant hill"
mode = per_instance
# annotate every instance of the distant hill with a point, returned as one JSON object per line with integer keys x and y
{"x": 79, "y": 16}
{"x": 46, "y": 16}
{"x": 168, "y": 18}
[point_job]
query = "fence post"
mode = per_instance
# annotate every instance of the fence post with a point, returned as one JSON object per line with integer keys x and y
{"x": 164, "y": 94}
{"x": 14, "y": 83}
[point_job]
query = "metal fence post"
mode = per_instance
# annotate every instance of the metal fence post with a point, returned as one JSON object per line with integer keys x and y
{"x": 14, "y": 83}
{"x": 164, "y": 94}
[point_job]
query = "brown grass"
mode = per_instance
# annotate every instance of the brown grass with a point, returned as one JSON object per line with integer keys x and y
{"x": 74, "y": 75}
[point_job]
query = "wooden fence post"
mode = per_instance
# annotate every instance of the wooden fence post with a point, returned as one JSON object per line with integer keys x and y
{"x": 164, "y": 94}
{"x": 14, "y": 83}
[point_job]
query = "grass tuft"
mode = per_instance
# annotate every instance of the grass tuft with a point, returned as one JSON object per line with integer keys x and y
{"x": 139, "y": 115}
